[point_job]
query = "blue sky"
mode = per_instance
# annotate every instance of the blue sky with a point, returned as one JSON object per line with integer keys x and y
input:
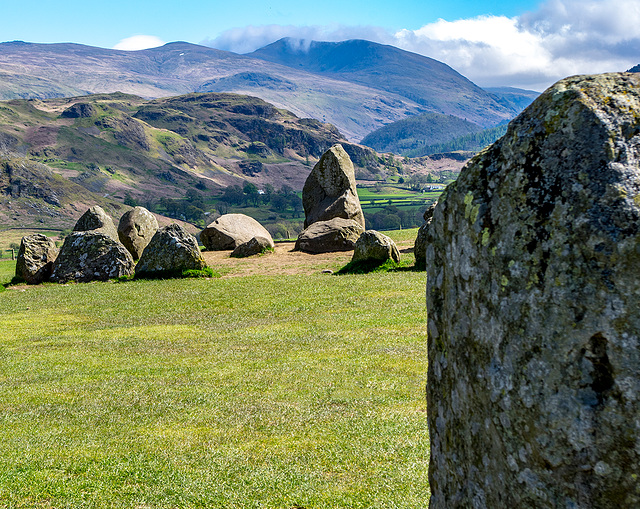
{"x": 523, "y": 43}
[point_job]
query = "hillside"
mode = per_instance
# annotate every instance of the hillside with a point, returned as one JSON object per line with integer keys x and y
{"x": 405, "y": 135}
{"x": 368, "y": 85}
{"x": 433, "y": 85}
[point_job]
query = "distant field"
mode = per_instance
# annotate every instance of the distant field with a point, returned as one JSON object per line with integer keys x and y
{"x": 239, "y": 392}
{"x": 14, "y": 236}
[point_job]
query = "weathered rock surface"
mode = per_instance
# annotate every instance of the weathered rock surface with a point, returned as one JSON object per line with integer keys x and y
{"x": 230, "y": 230}
{"x": 171, "y": 250}
{"x": 330, "y": 189}
{"x": 329, "y": 236}
{"x": 96, "y": 219}
{"x": 91, "y": 256}
{"x": 533, "y": 300}
{"x": 376, "y": 247}
{"x": 257, "y": 245}
{"x": 135, "y": 230}
{"x": 420, "y": 245}
{"x": 35, "y": 258}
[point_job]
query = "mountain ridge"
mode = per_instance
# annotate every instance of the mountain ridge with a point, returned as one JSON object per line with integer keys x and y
{"x": 357, "y": 105}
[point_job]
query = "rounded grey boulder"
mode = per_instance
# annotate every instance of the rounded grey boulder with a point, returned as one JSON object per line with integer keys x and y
{"x": 91, "y": 256}
{"x": 230, "y": 230}
{"x": 96, "y": 219}
{"x": 257, "y": 245}
{"x": 35, "y": 258}
{"x": 376, "y": 247}
{"x": 172, "y": 250}
{"x": 329, "y": 236}
{"x": 135, "y": 230}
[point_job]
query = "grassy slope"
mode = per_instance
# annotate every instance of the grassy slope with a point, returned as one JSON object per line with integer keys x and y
{"x": 241, "y": 392}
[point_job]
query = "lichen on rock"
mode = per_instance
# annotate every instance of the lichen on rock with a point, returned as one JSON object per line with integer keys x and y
{"x": 533, "y": 296}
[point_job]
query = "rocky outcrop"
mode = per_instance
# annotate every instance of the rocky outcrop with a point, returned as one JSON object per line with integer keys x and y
{"x": 135, "y": 230}
{"x": 91, "y": 256}
{"x": 35, "y": 258}
{"x": 420, "y": 245}
{"x": 373, "y": 246}
{"x": 329, "y": 236}
{"x": 230, "y": 230}
{"x": 97, "y": 220}
{"x": 171, "y": 251}
{"x": 330, "y": 190}
{"x": 533, "y": 300}
{"x": 257, "y": 245}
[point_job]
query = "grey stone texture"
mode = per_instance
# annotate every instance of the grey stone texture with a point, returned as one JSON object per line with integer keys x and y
{"x": 420, "y": 245}
{"x": 376, "y": 247}
{"x": 91, "y": 256}
{"x": 35, "y": 258}
{"x": 329, "y": 236}
{"x": 172, "y": 250}
{"x": 330, "y": 189}
{"x": 135, "y": 230}
{"x": 257, "y": 245}
{"x": 96, "y": 219}
{"x": 230, "y": 230}
{"x": 533, "y": 296}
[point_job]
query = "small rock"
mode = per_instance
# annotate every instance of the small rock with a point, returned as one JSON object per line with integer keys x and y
{"x": 329, "y": 236}
{"x": 171, "y": 251}
{"x": 135, "y": 230}
{"x": 257, "y": 245}
{"x": 96, "y": 219}
{"x": 231, "y": 230}
{"x": 35, "y": 258}
{"x": 375, "y": 246}
{"x": 91, "y": 256}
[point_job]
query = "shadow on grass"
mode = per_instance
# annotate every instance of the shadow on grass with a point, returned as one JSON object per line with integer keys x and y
{"x": 207, "y": 272}
{"x": 368, "y": 266}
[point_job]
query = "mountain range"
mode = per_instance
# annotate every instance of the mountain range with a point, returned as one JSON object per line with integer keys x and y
{"x": 358, "y": 86}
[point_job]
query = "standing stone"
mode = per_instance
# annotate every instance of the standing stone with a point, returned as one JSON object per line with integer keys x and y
{"x": 420, "y": 245}
{"x": 230, "y": 230}
{"x": 91, "y": 256}
{"x": 171, "y": 251}
{"x": 329, "y": 236}
{"x": 330, "y": 189}
{"x": 96, "y": 219}
{"x": 373, "y": 246}
{"x": 533, "y": 300}
{"x": 135, "y": 230}
{"x": 35, "y": 258}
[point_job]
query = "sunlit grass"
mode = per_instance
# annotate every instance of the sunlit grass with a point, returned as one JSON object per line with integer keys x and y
{"x": 265, "y": 392}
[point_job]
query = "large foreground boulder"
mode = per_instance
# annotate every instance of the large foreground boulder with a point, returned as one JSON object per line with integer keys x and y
{"x": 533, "y": 297}
{"x": 35, "y": 258}
{"x": 135, "y": 230}
{"x": 97, "y": 220}
{"x": 373, "y": 246}
{"x": 171, "y": 251}
{"x": 330, "y": 189}
{"x": 91, "y": 256}
{"x": 230, "y": 230}
{"x": 329, "y": 236}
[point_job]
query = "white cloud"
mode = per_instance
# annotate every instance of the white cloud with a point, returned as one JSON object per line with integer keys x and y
{"x": 138, "y": 42}
{"x": 560, "y": 38}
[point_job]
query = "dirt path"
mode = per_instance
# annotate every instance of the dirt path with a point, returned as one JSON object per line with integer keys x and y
{"x": 284, "y": 261}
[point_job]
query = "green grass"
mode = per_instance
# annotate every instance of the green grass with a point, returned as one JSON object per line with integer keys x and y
{"x": 7, "y": 270}
{"x": 246, "y": 392}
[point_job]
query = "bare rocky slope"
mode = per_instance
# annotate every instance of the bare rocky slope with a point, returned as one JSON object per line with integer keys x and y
{"x": 358, "y": 87}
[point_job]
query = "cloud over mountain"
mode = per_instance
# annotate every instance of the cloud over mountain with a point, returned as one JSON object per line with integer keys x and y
{"x": 138, "y": 42}
{"x": 533, "y": 50}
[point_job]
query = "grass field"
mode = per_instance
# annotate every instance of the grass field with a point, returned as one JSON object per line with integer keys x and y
{"x": 240, "y": 392}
